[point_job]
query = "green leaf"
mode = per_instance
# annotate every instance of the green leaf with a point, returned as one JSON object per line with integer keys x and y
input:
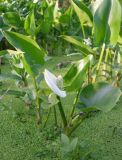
{"x": 66, "y": 17}
{"x": 65, "y": 139}
{"x": 120, "y": 40}
{"x": 29, "y": 25}
{"x": 83, "y": 12}
{"x": 56, "y": 12}
{"x": 115, "y": 21}
{"x": 73, "y": 144}
{"x": 86, "y": 50}
{"x": 106, "y": 25}
{"x": 45, "y": 26}
{"x": 101, "y": 18}
{"x": 76, "y": 75}
{"x": 26, "y": 45}
{"x": 28, "y": 67}
{"x": 1, "y": 36}
{"x": 101, "y": 96}
{"x": 12, "y": 19}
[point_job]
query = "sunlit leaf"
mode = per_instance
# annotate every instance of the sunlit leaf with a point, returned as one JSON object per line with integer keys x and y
{"x": 76, "y": 75}
{"x": 101, "y": 18}
{"x": 115, "y": 22}
{"x": 106, "y": 26}
{"x": 83, "y": 12}
{"x": 85, "y": 49}
{"x": 29, "y": 25}
{"x": 27, "y": 46}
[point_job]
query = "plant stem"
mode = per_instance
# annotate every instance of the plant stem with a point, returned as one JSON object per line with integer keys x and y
{"x": 75, "y": 101}
{"x": 83, "y": 31}
{"x": 62, "y": 112}
{"x": 106, "y": 59}
{"x": 38, "y": 103}
{"x": 89, "y": 75}
{"x": 48, "y": 115}
{"x": 55, "y": 116}
{"x": 99, "y": 63}
{"x": 76, "y": 121}
{"x": 106, "y": 56}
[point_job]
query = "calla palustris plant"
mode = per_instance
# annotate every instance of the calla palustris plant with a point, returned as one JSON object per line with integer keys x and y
{"x": 98, "y": 95}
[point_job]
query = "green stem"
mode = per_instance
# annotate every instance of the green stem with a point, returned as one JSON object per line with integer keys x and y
{"x": 99, "y": 63}
{"x": 62, "y": 112}
{"x": 48, "y": 115}
{"x": 106, "y": 56}
{"x": 106, "y": 59}
{"x": 83, "y": 31}
{"x": 89, "y": 75}
{"x": 76, "y": 121}
{"x": 55, "y": 116}
{"x": 38, "y": 102}
{"x": 74, "y": 104}
{"x": 111, "y": 61}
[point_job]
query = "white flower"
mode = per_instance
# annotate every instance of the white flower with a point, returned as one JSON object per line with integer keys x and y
{"x": 53, "y": 83}
{"x": 35, "y": 1}
{"x": 87, "y": 41}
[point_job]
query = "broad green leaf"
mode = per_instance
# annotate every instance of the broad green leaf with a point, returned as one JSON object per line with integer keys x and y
{"x": 101, "y": 18}
{"x": 94, "y": 6}
{"x": 67, "y": 145}
{"x": 28, "y": 66}
{"x": 29, "y": 25}
{"x": 65, "y": 139}
{"x": 101, "y": 96}
{"x": 83, "y": 12}
{"x": 120, "y": 40}
{"x": 86, "y": 50}
{"x": 106, "y": 25}
{"x": 120, "y": 1}
{"x": 73, "y": 144}
{"x": 115, "y": 21}
{"x": 28, "y": 46}
{"x": 12, "y": 19}
{"x": 76, "y": 75}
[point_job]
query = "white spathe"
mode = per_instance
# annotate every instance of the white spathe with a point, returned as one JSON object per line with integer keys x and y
{"x": 53, "y": 81}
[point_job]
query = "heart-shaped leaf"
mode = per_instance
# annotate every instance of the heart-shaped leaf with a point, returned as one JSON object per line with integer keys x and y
{"x": 101, "y": 96}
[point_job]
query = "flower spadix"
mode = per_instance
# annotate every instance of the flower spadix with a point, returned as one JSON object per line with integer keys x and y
{"x": 54, "y": 83}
